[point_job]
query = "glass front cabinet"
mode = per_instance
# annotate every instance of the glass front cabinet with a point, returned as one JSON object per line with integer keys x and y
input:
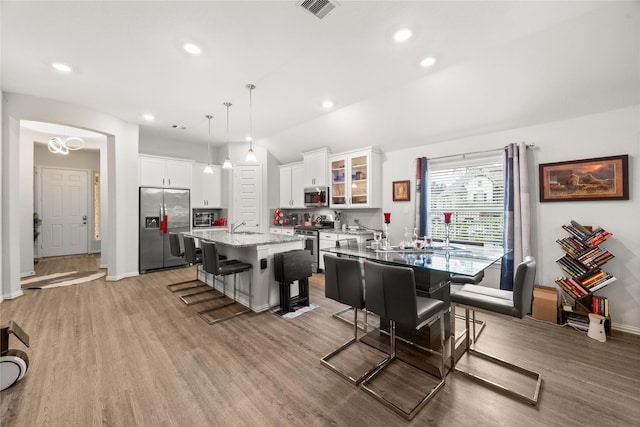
{"x": 355, "y": 179}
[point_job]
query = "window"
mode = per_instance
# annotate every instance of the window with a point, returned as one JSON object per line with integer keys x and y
{"x": 473, "y": 189}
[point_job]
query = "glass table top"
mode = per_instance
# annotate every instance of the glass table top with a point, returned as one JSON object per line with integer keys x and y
{"x": 457, "y": 259}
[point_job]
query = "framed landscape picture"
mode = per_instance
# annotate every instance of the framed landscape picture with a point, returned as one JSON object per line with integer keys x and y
{"x": 401, "y": 191}
{"x": 603, "y": 178}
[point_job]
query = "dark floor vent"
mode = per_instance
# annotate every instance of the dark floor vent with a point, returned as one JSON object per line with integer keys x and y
{"x": 319, "y": 8}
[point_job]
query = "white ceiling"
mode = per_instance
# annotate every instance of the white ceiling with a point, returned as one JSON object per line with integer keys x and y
{"x": 499, "y": 65}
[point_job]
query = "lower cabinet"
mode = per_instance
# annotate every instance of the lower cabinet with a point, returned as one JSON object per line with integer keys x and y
{"x": 328, "y": 240}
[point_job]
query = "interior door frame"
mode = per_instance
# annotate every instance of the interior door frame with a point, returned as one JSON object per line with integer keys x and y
{"x": 90, "y": 206}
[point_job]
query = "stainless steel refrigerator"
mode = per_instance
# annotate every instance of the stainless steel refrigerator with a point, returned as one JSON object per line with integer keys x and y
{"x": 162, "y": 210}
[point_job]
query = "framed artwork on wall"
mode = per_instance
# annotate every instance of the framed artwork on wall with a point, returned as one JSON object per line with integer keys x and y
{"x": 603, "y": 178}
{"x": 401, "y": 191}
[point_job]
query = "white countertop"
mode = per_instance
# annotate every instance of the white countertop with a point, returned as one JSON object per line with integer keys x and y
{"x": 347, "y": 231}
{"x": 239, "y": 240}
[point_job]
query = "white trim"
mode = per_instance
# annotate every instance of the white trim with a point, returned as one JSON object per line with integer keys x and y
{"x": 121, "y": 276}
{"x": 13, "y": 295}
{"x": 27, "y": 274}
{"x": 626, "y": 328}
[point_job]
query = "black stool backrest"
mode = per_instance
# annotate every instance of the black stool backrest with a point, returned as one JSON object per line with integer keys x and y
{"x": 343, "y": 281}
{"x": 210, "y": 260}
{"x": 523, "y": 286}
{"x": 350, "y": 243}
{"x": 190, "y": 250}
{"x": 391, "y": 293}
{"x": 174, "y": 244}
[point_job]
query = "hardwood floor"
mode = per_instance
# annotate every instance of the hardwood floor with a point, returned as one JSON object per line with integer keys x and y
{"x": 131, "y": 353}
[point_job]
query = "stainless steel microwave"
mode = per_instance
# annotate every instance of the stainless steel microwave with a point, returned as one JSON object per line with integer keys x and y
{"x": 316, "y": 196}
{"x": 203, "y": 218}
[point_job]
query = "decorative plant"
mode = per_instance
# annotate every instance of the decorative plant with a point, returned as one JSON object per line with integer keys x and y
{"x": 36, "y": 224}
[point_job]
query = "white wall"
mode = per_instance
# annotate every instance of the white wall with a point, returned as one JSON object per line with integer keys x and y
{"x": 605, "y": 134}
{"x": 122, "y": 150}
{"x": 176, "y": 148}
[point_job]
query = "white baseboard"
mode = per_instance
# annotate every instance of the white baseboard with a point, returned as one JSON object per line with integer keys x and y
{"x": 13, "y": 295}
{"x": 121, "y": 276}
{"x": 27, "y": 274}
{"x": 626, "y": 328}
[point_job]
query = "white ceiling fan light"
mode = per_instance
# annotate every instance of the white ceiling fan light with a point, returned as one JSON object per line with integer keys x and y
{"x": 227, "y": 161}
{"x": 208, "y": 168}
{"x": 251, "y": 155}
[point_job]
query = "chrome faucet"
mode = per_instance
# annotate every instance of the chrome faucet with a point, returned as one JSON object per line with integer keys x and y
{"x": 236, "y": 225}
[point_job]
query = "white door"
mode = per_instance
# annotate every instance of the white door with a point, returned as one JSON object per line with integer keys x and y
{"x": 64, "y": 212}
{"x": 247, "y": 201}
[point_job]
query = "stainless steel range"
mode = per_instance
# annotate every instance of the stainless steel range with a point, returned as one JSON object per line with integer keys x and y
{"x": 311, "y": 233}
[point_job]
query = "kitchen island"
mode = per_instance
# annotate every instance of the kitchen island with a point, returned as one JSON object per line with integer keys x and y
{"x": 256, "y": 249}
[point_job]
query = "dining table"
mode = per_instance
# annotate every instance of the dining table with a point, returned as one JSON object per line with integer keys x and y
{"x": 433, "y": 267}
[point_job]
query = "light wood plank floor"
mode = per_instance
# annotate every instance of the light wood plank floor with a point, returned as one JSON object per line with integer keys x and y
{"x": 130, "y": 353}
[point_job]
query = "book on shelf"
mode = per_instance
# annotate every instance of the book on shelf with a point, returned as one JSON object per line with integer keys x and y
{"x": 602, "y": 284}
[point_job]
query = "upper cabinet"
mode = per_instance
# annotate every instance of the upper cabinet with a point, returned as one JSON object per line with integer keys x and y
{"x": 164, "y": 172}
{"x": 206, "y": 188}
{"x": 316, "y": 165}
{"x": 292, "y": 185}
{"x": 355, "y": 179}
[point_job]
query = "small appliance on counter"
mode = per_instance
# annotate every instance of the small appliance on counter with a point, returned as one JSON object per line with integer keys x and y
{"x": 203, "y": 218}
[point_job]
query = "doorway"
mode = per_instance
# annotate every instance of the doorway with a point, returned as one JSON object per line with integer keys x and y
{"x": 65, "y": 209}
{"x": 247, "y": 199}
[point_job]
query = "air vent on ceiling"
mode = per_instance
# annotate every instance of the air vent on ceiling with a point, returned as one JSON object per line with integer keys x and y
{"x": 319, "y": 8}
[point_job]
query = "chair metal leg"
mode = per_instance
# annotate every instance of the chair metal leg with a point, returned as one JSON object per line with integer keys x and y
{"x": 362, "y": 327}
{"x": 471, "y": 350}
{"x": 353, "y": 380}
{"x": 174, "y": 287}
{"x": 412, "y": 413}
{"x": 231, "y": 316}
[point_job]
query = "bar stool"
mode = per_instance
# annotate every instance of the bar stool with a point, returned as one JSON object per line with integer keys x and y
{"x": 193, "y": 255}
{"x": 213, "y": 265}
{"x": 176, "y": 251}
{"x": 391, "y": 293}
{"x": 350, "y": 243}
{"x": 516, "y": 304}
{"x": 343, "y": 283}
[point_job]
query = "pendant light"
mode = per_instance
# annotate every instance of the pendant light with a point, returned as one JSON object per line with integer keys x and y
{"x": 227, "y": 162}
{"x": 251, "y": 155}
{"x": 208, "y": 168}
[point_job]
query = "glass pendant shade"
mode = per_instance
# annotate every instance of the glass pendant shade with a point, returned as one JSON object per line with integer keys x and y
{"x": 227, "y": 164}
{"x": 251, "y": 156}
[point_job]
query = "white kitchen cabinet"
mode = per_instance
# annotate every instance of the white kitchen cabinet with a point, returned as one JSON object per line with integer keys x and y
{"x": 328, "y": 240}
{"x": 356, "y": 179}
{"x": 316, "y": 167}
{"x": 275, "y": 230}
{"x": 292, "y": 185}
{"x": 287, "y": 231}
{"x": 206, "y": 188}
{"x": 164, "y": 172}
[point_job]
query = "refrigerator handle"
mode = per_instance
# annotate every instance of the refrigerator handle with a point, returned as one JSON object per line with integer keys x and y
{"x": 166, "y": 220}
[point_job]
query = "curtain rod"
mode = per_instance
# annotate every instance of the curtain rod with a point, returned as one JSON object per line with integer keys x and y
{"x": 474, "y": 152}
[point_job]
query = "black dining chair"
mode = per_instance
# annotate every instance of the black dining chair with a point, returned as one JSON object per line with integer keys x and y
{"x": 349, "y": 243}
{"x": 176, "y": 251}
{"x": 194, "y": 255}
{"x": 390, "y": 292}
{"x": 514, "y": 303}
{"x": 343, "y": 283}
{"x": 214, "y": 265}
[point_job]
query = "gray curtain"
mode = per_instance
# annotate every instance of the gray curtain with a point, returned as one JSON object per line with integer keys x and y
{"x": 517, "y": 212}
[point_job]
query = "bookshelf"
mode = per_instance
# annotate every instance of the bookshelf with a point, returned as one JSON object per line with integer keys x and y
{"x": 582, "y": 264}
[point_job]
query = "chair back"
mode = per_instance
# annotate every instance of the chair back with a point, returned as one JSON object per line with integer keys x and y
{"x": 343, "y": 281}
{"x": 350, "y": 243}
{"x": 210, "y": 260}
{"x": 523, "y": 286}
{"x": 174, "y": 245}
{"x": 190, "y": 250}
{"x": 391, "y": 293}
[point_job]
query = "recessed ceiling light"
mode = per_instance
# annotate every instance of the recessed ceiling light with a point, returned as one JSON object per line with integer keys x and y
{"x": 192, "y": 48}
{"x": 402, "y": 35}
{"x": 61, "y": 67}
{"x": 428, "y": 61}
{"x": 327, "y": 105}
{"x": 149, "y": 117}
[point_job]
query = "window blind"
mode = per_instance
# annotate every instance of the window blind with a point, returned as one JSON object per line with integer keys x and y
{"x": 473, "y": 190}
